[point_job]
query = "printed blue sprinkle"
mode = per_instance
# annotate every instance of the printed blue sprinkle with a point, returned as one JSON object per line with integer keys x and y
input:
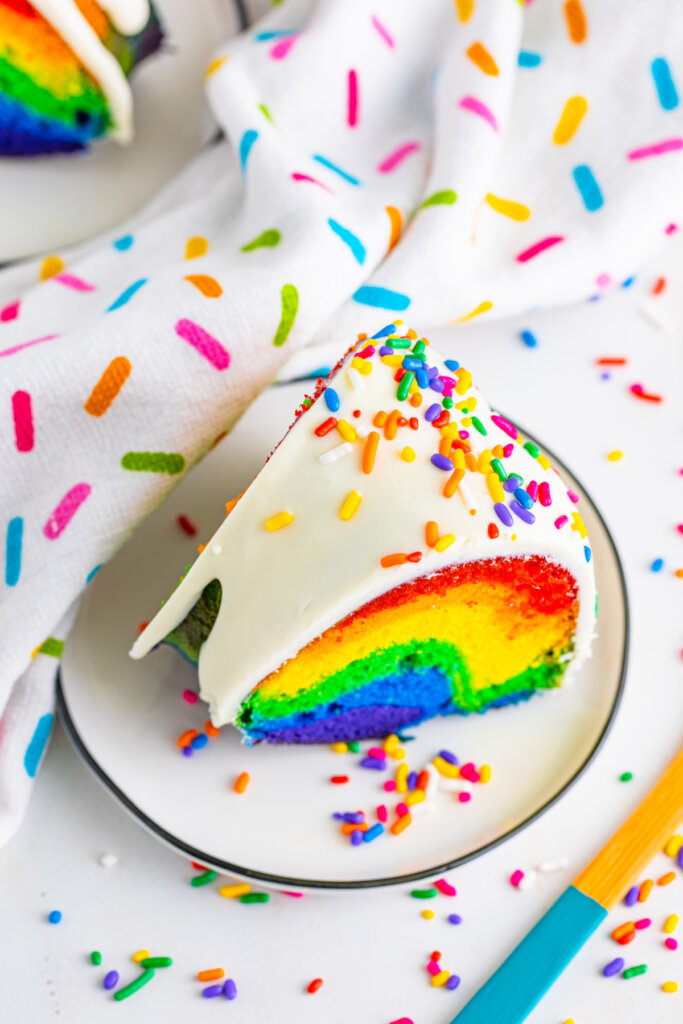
{"x": 337, "y": 170}
{"x": 354, "y": 243}
{"x": 93, "y": 572}
{"x": 263, "y": 37}
{"x": 657, "y": 565}
{"x": 664, "y": 83}
{"x": 331, "y": 399}
{"x": 15, "y": 532}
{"x": 382, "y": 298}
{"x": 123, "y": 243}
{"x": 529, "y": 339}
{"x": 588, "y": 188}
{"x": 127, "y": 294}
{"x": 526, "y": 59}
{"x": 34, "y": 750}
{"x": 246, "y": 142}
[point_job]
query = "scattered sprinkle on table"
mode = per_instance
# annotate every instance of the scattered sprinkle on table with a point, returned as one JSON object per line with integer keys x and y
{"x": 134, "y": 986}
{"x": 110, "y": 980}
{"x": 454, "y": 919}
{"x": 529, "y": 339}
{"x": 230, "y": 989}
{"x": 314, "y": 985}
{"x": 626, "y": 776}
{"x": 213, "y": 974}
{"x": 423, "y": 894}
{"x": 427, "y": 914}
{"x": 232, "y": 891}
{"x": 613, "y": 967}
{"x": 55, "y": 916}
{"x": 108, "y": 860}
{"x": 241, "y": 782}
{"x": 204, "y": 879}
{"x": 255, "y": 897}
{"x": 156, "y": 961}
{"x": 670, "y": 986}
{"x": 96, "y": 958}
{"x": 615, "y": 455}
{"x": 141, "y": 955}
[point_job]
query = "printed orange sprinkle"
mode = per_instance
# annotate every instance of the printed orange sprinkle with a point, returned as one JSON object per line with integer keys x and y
{"x": 480, "y": 56}
{"x": 576, "y": 21}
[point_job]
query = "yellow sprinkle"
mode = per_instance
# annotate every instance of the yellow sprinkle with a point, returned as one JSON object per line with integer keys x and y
{"x": 484, "y": 460}
{"x": 380, "y": 419}
{"x": 670, "y": 924}
{"x": 141, "y": 954}
{"x": 408, "y": 454}
{"x": 458, "y": 459}
{"x": 673, "y": 846}
{"x": 579, "y": 525}
{"x": 410, "y": 333}
{"x": 229, "y": 892}
{"x": 495, "y": 487}
{"x": 346, "y": 430}
{"x": 398, "y": 754}
{"x": 401, "y": 777}
{"x": 483, "y": 307}
{"x": 464, "y": 381}
{"x": 195, "y": 247}
{"x": 428, "y": 915}
{"x": 543, "y": 461}
{"x": 670, "y": 986}
{"x": 569, "y": 1020}
{"x": 466, "y": 422}
{"x": 278, "y": 521}
{"x": 363, "y": 366}
{"x": 444, "y": 542}
{"x": 416, "y": 796}
{"x": 508, "y": 208}
{"x": 615, "y": 455}
{"x": 213, "y": 67}
{"x": 391, "y": 743}
{"x": 485, "y": 773}
{"x": 440, "y": 979}
{"x": 431, "y": 533}
{"x": 464, "y": 9}
{"x": 443, "y": 767}
{"x": 50, "y": 266}
{"x": 392, "y": 360}
{"x": 351, "y": 505}
{"x": 340, "y": 748}
{"x": 571, "y": 117}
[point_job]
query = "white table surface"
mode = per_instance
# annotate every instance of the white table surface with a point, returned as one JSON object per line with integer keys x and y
{"x": 371, "y": 948}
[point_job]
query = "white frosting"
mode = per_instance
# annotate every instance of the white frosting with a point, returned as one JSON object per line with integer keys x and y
{"x": 282, "y": 589}
{"x": 129, "y": 17}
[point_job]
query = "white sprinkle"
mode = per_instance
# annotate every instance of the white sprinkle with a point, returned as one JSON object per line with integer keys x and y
{"x": 654, "y": 316}
{"x": 355, "y": 379}
{"x": 216, "y": 548}
{"x": 432, "y": 782}
{"x": 454, "y": 785}
{"x": 108, "y": 860}
{"x": 335, "y": 453}
{"x": 556, "y": 864}
{"x": 528, "y": 881}
{"x": 361, "y": 431}
{"x": 466, "y": 495}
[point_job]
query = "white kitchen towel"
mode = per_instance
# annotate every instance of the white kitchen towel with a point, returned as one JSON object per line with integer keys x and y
{"x": 433, "y": 161}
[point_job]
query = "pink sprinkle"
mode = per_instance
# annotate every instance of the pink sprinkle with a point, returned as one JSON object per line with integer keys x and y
{"x": 23, "y": 420}
{"x": 463, "y": 434}
{"x": 378, "y": 753}
{"x": 377, "y": 24}
{"x": 27, "y": 344}
{"x": 644, "y": 922}
{"x": 657, "y": 149}
{"x": 544, "y": 494}
{"x": 508, "y": 450}
{"x": 77, "y": 283}
{"x": 505, "y": 425}
{"x": 190, "y": 696}
{"x": 539, "y": 247}
{"x": 281, "y": 48}
{"x": 389, "y": 786}
{"x": 295, "y": 895}
{"x": 433, "y": 967}
{"x": 397, "y": 156}
{"x": 10, "y": 312}
{"x": 204, "y": 343}
{"x": 670, "y": 229}
{"x": 403, "y": 1020}
{"x": 475, "y": 106}
{"x": 467, "y": 769}
{"x": 352, "y": 110}
{"x": 671, "y": 943}
{"x": 603, "y": 280}
{"x": 382, "y": 813}
{"x": 532, "y": 490}
{"x": 401, "y": 809}
{"x": 516, "y": 877}
{"x": 297, "y": 176}
{"x": 561, "y": 521}
{"x": 573, "y": 496}
{"x": 368, "y": 351}
{"x": 679, "y": 527}
{"x": 445, "y": 887}
{"x": 464, "y": 797}
{"x": 65, "y": 511}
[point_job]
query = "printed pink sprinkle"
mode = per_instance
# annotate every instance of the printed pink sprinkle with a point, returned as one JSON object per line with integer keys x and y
{"x": 10, "y": 312}
{"x": 66, "y": 510}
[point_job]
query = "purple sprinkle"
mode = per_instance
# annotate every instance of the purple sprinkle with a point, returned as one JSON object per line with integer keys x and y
{"x": 522, "y": 513}
{"x": 432, "y": 372}
{"x": 436, "y": 384}
{"x": 512, "y": 483}
{"x": 373, "y": 833}
{"x": 441, "y": 462}
{"x": 110, "y": 979}
{"x": 613, "y": 967}
{"x": 212, "y": 991}
{"x": 230, "y": 989}
{"x": 447, "y": 756}
{"x": 354, "y": 817}
{"x": 455, "y": 918}
{"x": 453, "y": 982}
{"x": 679, "y": 858}
{"x": 199, "y": 741}
{"x": 356, "y": 837}
{"x": 432, "y": 412}
{"x": 386, "y": 350}
{"x": 188, "y": 751}
{"x": 337, "y": 816}
{"x": 373, "y": 762}
{"x": 503, "y": 513}
{"x": 631, "y": 897}
{"x": 411, "y": 781}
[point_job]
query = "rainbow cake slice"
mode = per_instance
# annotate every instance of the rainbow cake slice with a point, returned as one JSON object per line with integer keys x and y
{"x": 64, "y": 67}
{"x": 402, "y": 554}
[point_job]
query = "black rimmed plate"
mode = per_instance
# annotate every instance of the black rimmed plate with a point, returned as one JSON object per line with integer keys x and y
{"x": 124, "y": 718}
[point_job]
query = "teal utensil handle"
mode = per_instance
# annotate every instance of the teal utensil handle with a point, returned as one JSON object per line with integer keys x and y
{"x": 509, "y": 996}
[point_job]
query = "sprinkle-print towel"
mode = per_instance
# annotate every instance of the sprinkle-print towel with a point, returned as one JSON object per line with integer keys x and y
{"x": 443, "y": 159}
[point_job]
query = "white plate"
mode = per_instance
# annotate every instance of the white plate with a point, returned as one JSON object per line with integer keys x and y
{"x": 125, "y": 716}
{"x": 52, "y": 201}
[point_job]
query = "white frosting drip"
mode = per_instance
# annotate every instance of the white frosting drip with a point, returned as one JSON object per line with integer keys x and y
{"x": 67, "y": 20}
{"x": 281, "y": 590}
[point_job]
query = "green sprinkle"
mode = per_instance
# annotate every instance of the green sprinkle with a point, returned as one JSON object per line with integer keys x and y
{"x": 532, "y": 448}
{"x": 633, "y": 972}
{"x": 255, "y": 897}
{"x": 354, "y": 746}
{"x": 445, "y": 198}
{"x": 498, "y": 467}
{"x": 398, "y": 342}
{"x": 404, "y": 385}
{"x": 52, "y": 646}
{"x": 96, "y": 958}
{"x": 478, "y": 425}
{"x": 156, "y": 961}
{"x": 423, "y": 894}
{"x": 289, "y": 297}
{"x": 626, "y": 776}
{"x": 154, "y": 462}
{"x": 447, "y": 403}
{"x": 204, "y": 879}
{"x": 419, "y": 347}
{"x": 129, "y": 990}
{"x": 266, "y": 113}
{"x": 267, "y": 239}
